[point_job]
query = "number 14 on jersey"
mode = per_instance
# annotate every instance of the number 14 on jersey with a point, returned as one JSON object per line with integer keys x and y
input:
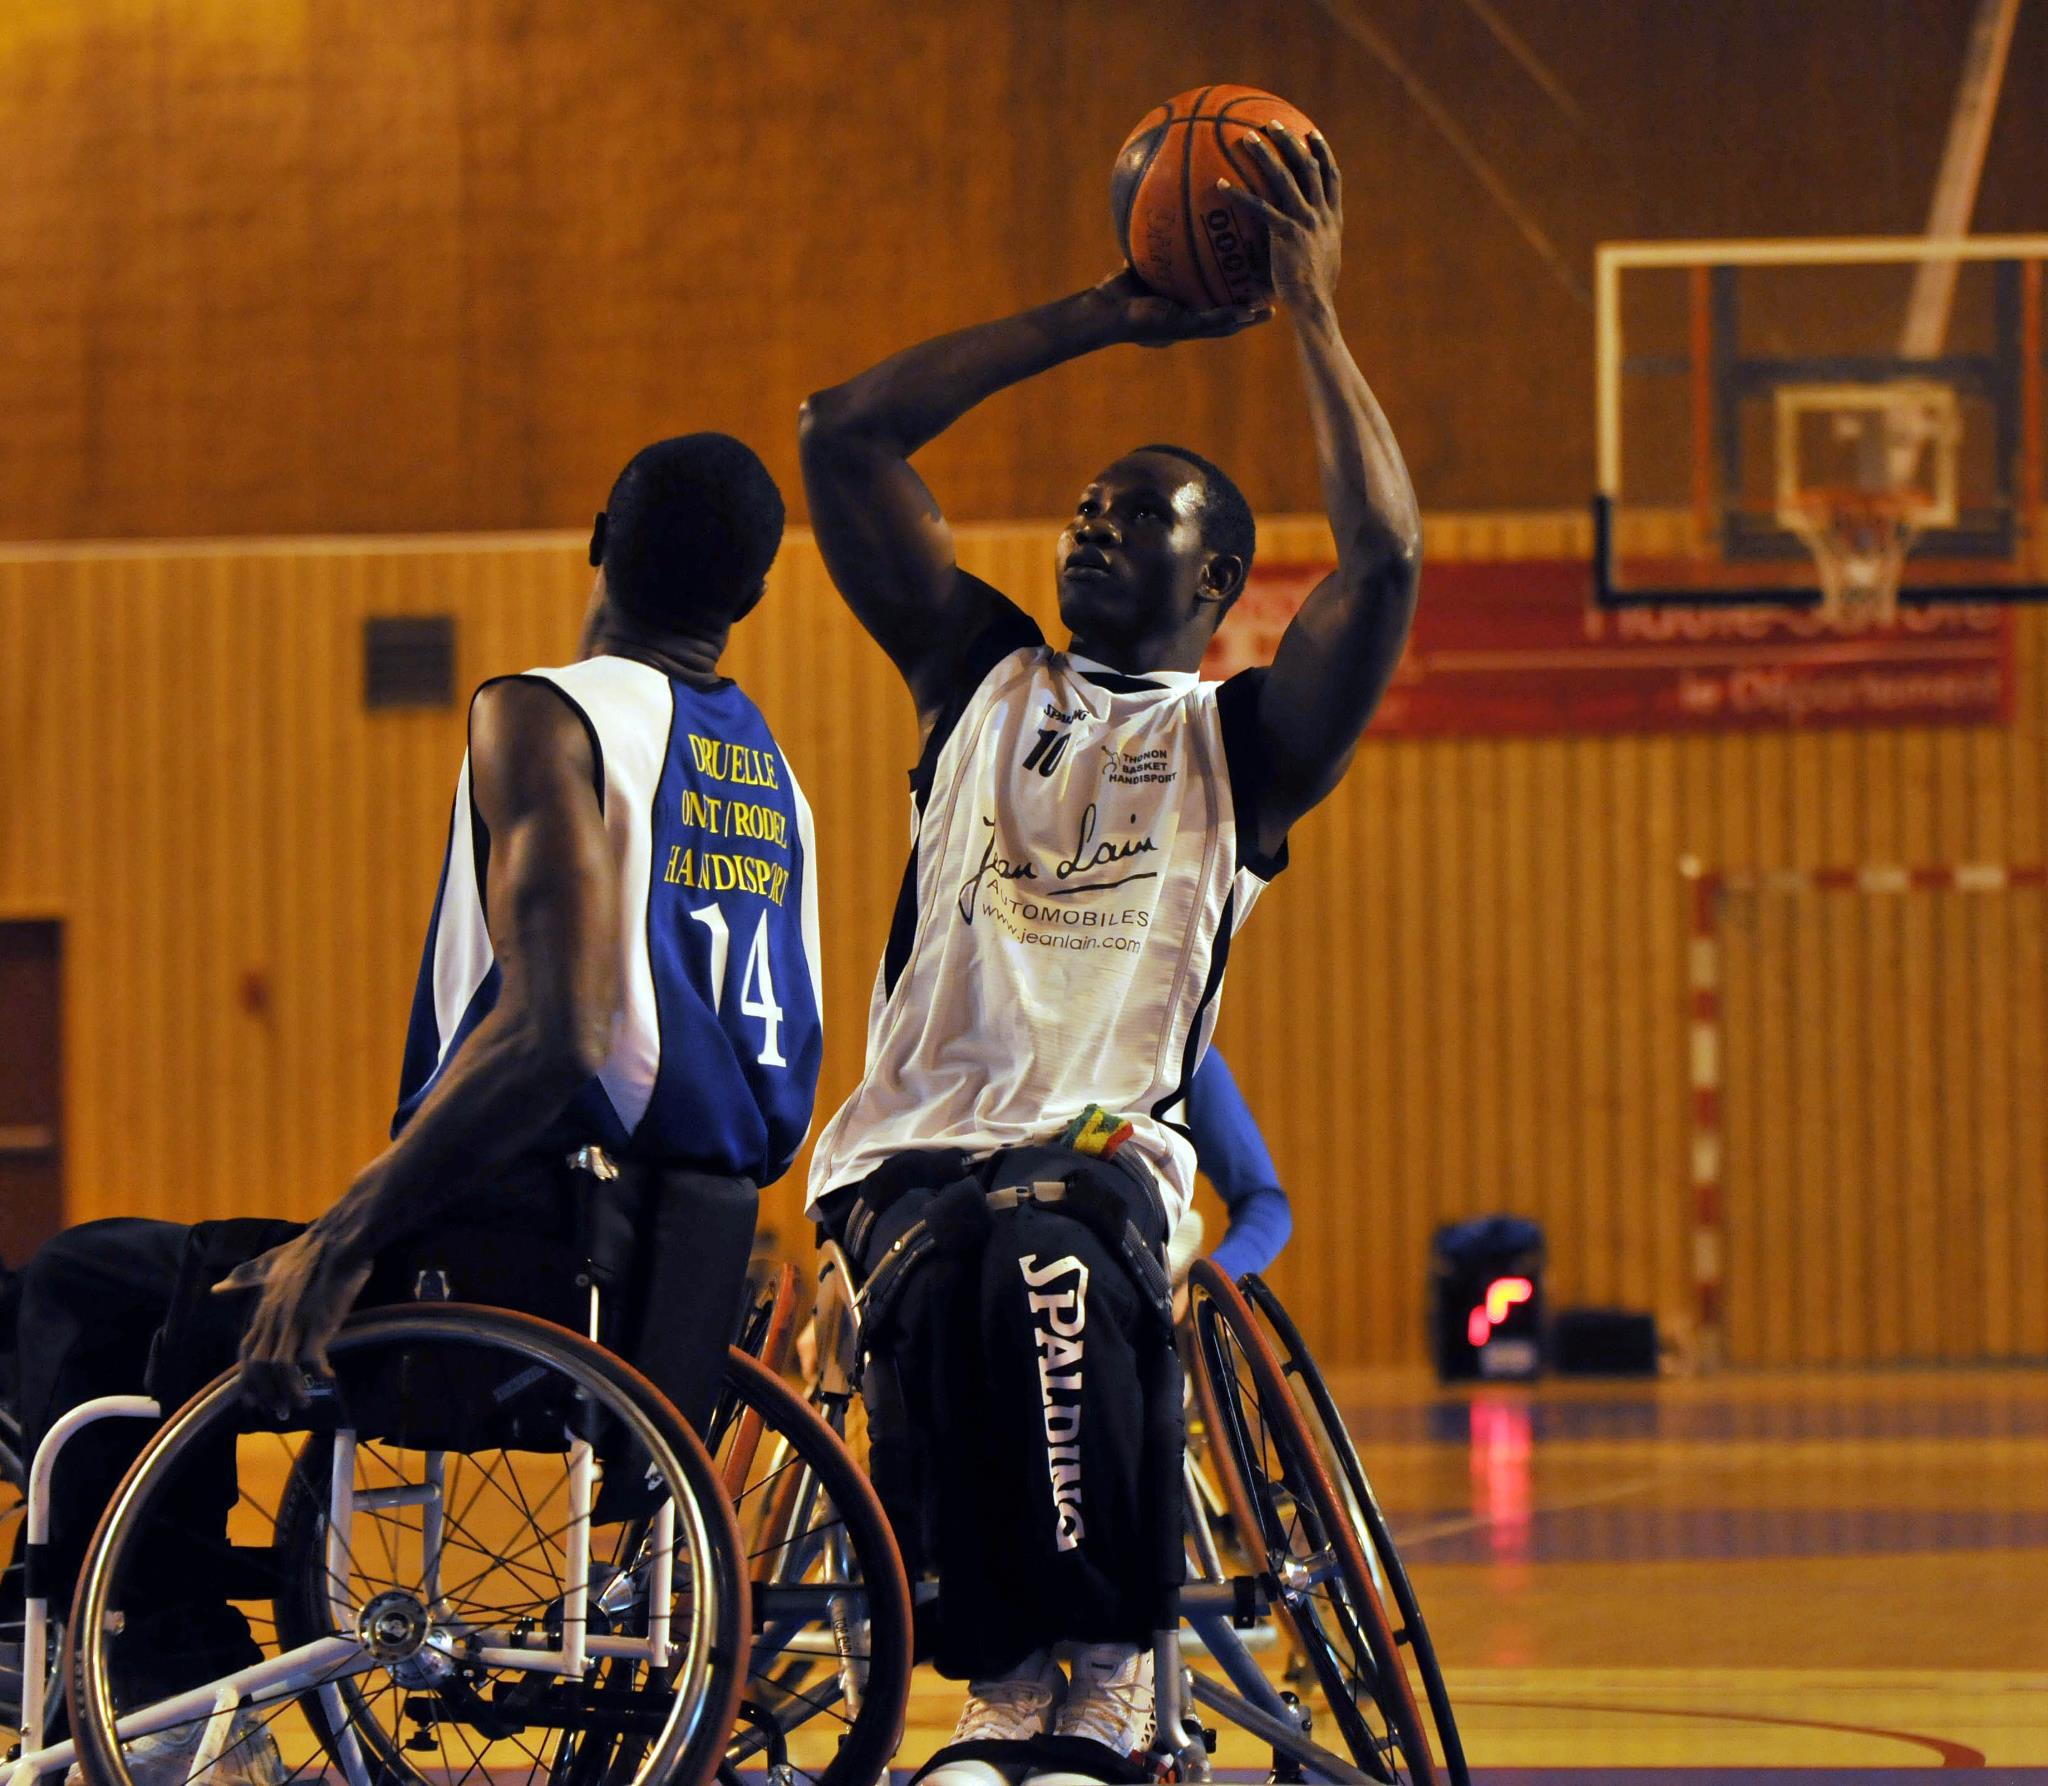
{"x": 757, "y": 982}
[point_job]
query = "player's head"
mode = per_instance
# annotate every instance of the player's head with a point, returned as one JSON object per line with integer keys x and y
{"x": 688, "y": 534}
{"x": 1160, "y": 544}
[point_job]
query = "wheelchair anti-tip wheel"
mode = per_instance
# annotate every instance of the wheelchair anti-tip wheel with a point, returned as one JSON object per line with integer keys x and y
{"x": 489, "y": 1548}
{"x": 828, "y": 1671}
{"x": 1326, "y": 1426}
{"x": 1311, "y": 1562}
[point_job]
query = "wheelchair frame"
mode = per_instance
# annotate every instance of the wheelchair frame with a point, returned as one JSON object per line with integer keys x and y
{"x": 844, "y": 1600}
{"x": 1224, "y": 1614}
{"x": 320, "y": 1666}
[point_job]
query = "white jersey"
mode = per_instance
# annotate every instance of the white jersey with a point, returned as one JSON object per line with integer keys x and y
{"x": 1075, "y": 880}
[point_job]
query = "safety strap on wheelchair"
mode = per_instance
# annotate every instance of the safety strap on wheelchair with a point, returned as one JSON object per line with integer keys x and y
{"x": 1045, "y": 1754}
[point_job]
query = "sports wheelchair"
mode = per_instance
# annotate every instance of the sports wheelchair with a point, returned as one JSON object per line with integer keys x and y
{"x": 488, "y": 1546}
{"x": 1283, "y": 1538}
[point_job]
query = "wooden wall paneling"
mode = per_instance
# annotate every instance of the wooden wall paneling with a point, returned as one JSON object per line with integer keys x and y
{"x": 300, "y": 945}
{"x": 1555, "y": 937}
{"x": 99, "y": 1093}
{"x": 233, "y": 827}
{"x": 341, "y": 800}
{"x": 1379, "y": 1042}
{"x": 1751, "y": 1169}
{"x": 1595, "y": 904}
{"x": 1880, "y": 1262}
{"x": 1415, "y": 987}
{"x": 1625, "y": 995}
{"x": 1444, "y": 990}
{"x": 1920, "y": 1045}
{"x": 1788, "y": 1100}
{"x": 1652, "y": 1082}
{"x": 1852, "y": 1192}
{"x": 1811, "y": 1117}
{"x": 1483, "y": 985}
{"x": 1525, "y": 1031}
{"x": 1999, "y": 1005}
{"x": 1955, "y": 1266}
{"x": 1770, "y": 1185}
{"x": 318, "y": 267}
{"x": 1466, "y": 994}
{"x": 372, "y": 794}
{"x": 157, "y": 922}
{"x": 2026, "y": 750}
{"x": 1346, "y": 1290}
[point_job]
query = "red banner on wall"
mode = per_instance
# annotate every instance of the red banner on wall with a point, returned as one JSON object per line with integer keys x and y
{"x": 1516, "y": 647}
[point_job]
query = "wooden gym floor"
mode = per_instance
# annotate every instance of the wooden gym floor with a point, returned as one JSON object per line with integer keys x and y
{"x": 1844, "y": 1575}
{"x": 1700, "y": 1583}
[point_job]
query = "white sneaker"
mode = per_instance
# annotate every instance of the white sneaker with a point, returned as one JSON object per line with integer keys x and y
{"x": 1011, "y": 1707}
{"x": 249, "y": 1757}
{"x": 1109, "y": 1701}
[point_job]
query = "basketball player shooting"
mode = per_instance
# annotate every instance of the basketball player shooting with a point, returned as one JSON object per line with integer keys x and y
{"x": 1092, "y": 824}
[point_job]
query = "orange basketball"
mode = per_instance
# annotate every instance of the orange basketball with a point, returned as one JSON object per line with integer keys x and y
{"x": 1185, "y": 239}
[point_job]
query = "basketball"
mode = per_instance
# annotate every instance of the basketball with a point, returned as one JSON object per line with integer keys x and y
{"x": 1183, "y": 237}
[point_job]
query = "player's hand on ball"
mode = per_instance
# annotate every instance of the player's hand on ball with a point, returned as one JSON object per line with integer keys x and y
{"x": 1150, "y": 320}
{"x": 1304, "y": 221}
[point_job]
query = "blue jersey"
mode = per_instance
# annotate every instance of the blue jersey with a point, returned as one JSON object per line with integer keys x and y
{"x": 715, "y": 1061}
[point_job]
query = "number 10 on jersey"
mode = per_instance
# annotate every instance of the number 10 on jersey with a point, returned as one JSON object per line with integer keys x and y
{"x": 757, "y": 982}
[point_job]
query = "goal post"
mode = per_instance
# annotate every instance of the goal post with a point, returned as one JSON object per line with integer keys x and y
{"x": 1712, "y": 893}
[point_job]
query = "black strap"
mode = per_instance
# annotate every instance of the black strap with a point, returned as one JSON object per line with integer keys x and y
{"x": 956, "y": 1220}
{"x": 998, "y": 1752}
{"x": 1045, "y": 1754}
{"x": 1084, "y": 1755}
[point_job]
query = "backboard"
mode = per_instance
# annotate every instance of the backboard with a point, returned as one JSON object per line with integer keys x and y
{"x": 1768, "y": 422}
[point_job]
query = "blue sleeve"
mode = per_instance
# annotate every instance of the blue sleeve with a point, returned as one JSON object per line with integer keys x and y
{"x": 1232, "y": 1154}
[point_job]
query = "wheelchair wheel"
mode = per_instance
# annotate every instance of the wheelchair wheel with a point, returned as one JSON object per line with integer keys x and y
{"x": 1312, "y": 1563}
{"x": 1210, "y": 1453}
{"x": 768, "y": 1335}
{"x": 769, "y": 1329}
{"x": 828, "y": 1672}
{"x": 1326, "y": 1425}
{"x": 490, "y": 1547}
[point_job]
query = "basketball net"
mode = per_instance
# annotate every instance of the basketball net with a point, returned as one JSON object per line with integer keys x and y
{"x": 1859, "y": 540}
{"x": 1863, "y": 471}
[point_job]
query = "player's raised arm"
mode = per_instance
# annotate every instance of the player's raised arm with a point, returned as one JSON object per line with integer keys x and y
{"x": 1337, "y": 657}
{"x": 884, "y": 538}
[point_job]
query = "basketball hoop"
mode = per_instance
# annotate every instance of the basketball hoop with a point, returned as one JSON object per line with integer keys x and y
{"x": 1863, "y": 471}
{"x": 1859, "y": 540}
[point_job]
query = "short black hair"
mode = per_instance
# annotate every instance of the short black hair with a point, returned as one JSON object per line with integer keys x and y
{"x": 689, "y": 531}
{"x": 1227, "y": 524}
